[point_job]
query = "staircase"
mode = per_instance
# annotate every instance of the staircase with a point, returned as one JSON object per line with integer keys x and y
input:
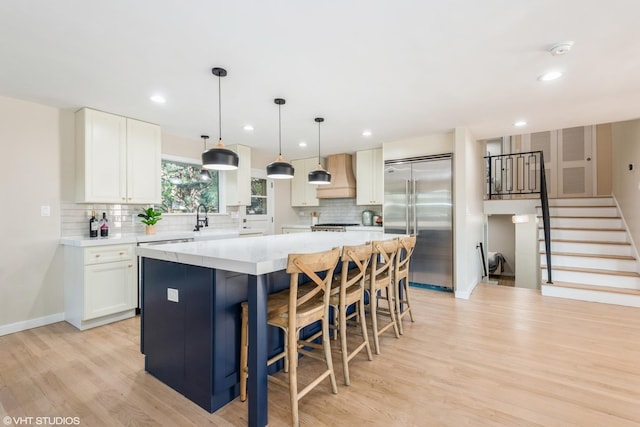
{"x": 591, "y": 255}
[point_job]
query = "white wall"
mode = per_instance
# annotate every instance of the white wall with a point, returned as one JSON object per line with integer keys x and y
{"x": 626, "y": 183}
{"x": 420, "y": 146}
{"x": 31, "y": 282}
{"x": 469, "y": 217}
{"x": 527, "y": 254}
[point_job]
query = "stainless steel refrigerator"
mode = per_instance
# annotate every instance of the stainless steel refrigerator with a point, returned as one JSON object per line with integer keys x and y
{"x": 418, "y": 200}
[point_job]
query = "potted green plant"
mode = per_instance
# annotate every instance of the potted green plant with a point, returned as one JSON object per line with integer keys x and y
{"x": 150, "y": 217}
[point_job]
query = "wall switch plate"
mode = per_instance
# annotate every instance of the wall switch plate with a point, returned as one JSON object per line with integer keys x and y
{"x": 45, "y": 210}
{"x": 172, "y": 295}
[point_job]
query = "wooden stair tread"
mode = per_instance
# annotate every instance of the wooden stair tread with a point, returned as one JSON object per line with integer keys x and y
{"x": 581, "y": 217}
{"x": 621, "y": 257}
{"x": 594, "y": 288}
{"x": 588, "y": 242}
{"x": 584, "y": 229}
{"x": 593, "y": 271}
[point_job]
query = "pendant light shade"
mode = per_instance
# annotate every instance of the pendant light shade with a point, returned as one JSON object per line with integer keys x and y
{"x": 279, "y": 169}
{"x": 204, "y": 174}
{"x": 319, "y": 176}
{"x": 219, "y": 157}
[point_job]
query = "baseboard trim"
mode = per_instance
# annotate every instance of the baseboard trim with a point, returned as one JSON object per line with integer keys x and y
{"x": 31, "y": 323}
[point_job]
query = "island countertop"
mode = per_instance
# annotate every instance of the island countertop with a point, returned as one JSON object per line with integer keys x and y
{"x": 255, "y": 255}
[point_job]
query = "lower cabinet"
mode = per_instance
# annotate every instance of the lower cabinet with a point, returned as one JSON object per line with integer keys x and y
{"x": 100, "y": 284}
{"x": 190, "y": 329}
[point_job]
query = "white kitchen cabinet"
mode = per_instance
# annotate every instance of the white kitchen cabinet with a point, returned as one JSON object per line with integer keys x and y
{"x": 370, "y": 177}
{"x": 237, "y": 183}
{"x": 117, "y": 159}
{"x": 100, "y": 284}
{"x": 303, "y": 193}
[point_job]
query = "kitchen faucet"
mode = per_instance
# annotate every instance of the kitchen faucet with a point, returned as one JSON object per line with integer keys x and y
{"x": 201, "y": 222}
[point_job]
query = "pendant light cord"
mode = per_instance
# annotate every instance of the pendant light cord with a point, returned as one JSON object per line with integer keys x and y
{"x": 279, "y": 132}
{"x": 319, "y": 143}
{"x": 219, "y": 108}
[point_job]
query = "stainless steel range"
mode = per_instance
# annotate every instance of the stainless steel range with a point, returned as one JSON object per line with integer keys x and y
{"x": 331, "y": 227}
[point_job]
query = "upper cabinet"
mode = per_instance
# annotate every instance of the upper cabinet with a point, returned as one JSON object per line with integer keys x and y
{"x": 369, "y": 177}
{"x": 117, "y": 159}
{"x": 303, "y": 193}
{"x": 237, "y": 183}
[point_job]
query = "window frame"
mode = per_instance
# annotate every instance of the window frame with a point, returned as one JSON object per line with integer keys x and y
{"x": 222, "y": 206}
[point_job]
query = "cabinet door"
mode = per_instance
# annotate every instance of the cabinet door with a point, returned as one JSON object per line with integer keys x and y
{"x": 369, "y": 180}
{"x": 238, "y": 182}
{"x": 143, "y": 162}
{"x": 298, "y": 183}
{"x": 303, "y": 193}
{"x": 101, "y": 157}
{"x": 109, "y": 288}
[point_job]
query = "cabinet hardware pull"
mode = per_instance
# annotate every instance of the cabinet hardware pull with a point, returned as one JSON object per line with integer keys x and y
{"x": 97, "y": 255}
{"x": 130, "y": 265}
{"x": 121, "y": 253}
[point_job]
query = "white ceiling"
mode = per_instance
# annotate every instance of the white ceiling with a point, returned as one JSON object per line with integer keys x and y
{"x": 399, "y": 68}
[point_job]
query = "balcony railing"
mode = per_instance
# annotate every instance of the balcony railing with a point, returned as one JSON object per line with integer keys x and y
{"x": 521, "y": 175}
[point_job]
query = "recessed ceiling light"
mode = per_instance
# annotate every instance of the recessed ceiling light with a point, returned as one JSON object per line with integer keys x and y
{"x": 248, "y": 128}
{"x": 551, "y": 75}
{"x": 158, "y": 99}
{"x": 366, "y": 133}
{"x": 520, "y": 123}
{"x": 302, "y": 144}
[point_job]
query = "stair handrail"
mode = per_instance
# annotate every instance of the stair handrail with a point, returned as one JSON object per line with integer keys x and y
{"x": 544, "y": 198}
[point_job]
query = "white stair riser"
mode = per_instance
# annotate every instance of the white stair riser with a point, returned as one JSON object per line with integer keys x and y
{"x": 592, "y": 201}
{"x": 585, "y": 222}
{"x": 589, "y": 295}
{"x": 588, "y": 248}
{"x": 590, "y": 262}
{"x": 589, "y": 236}
{"x": 586, "y": 212}
{"x": 579, "y": 277}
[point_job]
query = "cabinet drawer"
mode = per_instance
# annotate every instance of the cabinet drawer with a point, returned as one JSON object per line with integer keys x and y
{"x": 109, "y": 253}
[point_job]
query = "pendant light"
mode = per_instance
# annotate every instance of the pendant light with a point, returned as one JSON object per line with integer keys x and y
{"x": 204, "y": 174}
{"x": 219, "y": 157}
{"x": 319, "y": 176}
{"x": 279, "y": 169}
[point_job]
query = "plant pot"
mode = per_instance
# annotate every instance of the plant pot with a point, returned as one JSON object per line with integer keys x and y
{"x": 150, "y": 229}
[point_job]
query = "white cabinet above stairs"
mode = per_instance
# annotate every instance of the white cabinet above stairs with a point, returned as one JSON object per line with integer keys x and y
{"x": 592, "y": 258}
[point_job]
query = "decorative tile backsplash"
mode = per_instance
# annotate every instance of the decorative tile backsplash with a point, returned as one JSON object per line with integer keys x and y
{"x": 123, "y": 219}
{"x": 336, "y": 211}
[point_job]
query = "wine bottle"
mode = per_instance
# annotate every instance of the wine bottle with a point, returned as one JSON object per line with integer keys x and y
{"x": 104, "y": 226}
{"x": 93, "y": 225}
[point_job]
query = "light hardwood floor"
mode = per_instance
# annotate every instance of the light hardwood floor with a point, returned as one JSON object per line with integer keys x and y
{"x": 506, "y": 357}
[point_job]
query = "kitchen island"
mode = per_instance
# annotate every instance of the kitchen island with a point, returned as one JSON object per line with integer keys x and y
{"x": 192, "y": 292}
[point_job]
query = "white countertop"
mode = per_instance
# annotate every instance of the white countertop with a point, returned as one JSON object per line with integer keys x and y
{"x": 255, "y": 255}
{"x": 350, "y": 228}
{"x": 118, "y": 239}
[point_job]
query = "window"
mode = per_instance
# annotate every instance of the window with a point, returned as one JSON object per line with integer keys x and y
{"x": 258, "y": 197}
{"x": 183, "y": 189}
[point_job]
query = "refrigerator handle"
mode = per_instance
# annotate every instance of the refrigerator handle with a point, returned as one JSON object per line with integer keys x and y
{"x": 415, "y": 209}
{"x": 407, "y": 195}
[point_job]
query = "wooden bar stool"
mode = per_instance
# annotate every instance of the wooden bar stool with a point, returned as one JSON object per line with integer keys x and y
{"x": 293, "y": 309}
{"x": 348, "y": 289}
{"x": 378, "y": 281}
{"x": 406, "y": 245}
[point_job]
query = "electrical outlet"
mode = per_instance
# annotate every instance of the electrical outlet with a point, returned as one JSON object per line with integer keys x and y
{"x": 172, "y": 295}
{"x": 631, "y": 166}
{"x": 45, "y": 210}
